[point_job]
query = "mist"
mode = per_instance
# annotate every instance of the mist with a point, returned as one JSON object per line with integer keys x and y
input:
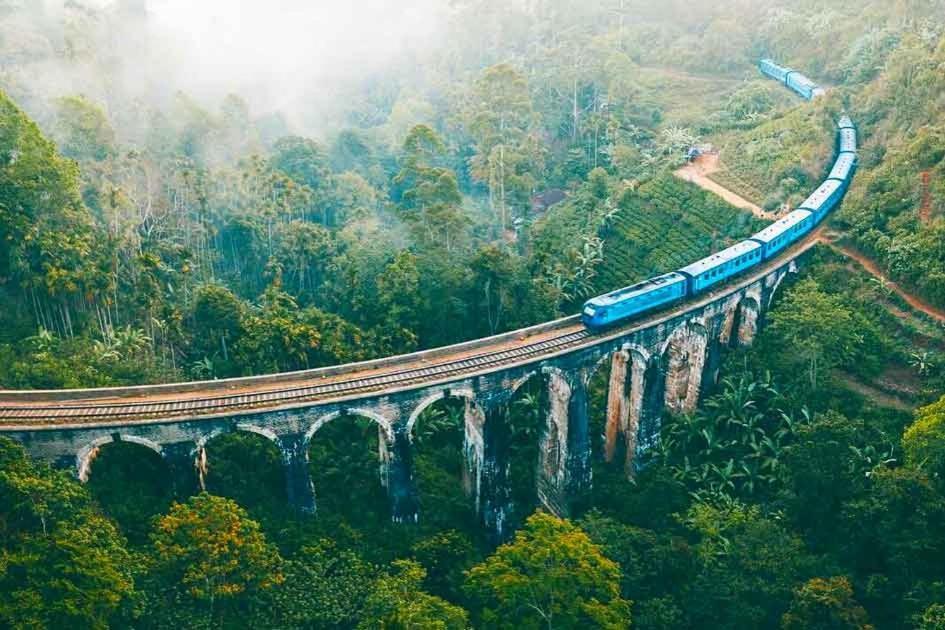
{"x": 292, "y": 56}
{"x": 282, "y": 55}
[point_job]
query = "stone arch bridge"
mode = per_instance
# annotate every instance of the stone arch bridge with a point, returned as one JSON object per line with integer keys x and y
{"x": 661, "y": 361}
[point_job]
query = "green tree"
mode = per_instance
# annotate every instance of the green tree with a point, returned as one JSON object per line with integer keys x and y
{"x": 213, "y": 557}
{"x": 499, "y": 117}
{"x": 400, "y": 302}
{"x": 821, "y": 473}
{"x": 398, "y": 602}
{"x": 63, "y": 564}
{"x": 817, "y": 328}
{"x": 48, "y": 235}
{"x": 550, "y": 575}
{"x": 924, "y": 440}
{"x": 747, "y": 567}
{"x": 83, "y": 130}
{"x": 325, "y": 587}
{"x": 430, "y": 199}
{"x": 893, "y": 536}
{"x": 933, "y": 618}
{"x": 217, "y": 315}
{"x": 305, "y": 162}
{"x": 825, "y": 604}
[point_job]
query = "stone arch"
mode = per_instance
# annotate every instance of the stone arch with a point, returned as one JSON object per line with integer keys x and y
{"x": 469, "y": 464}
{"x": 423, "y": 405}
{"x": 683, "y": 358}
{"x": 605, "y": 359}
{"x": 376, "y": 483}
{"x": 520, "y": 382}
{"x": 88, "y": 453}
{"x": 203, "y": 457}
{"x": 200, "y": 444}
{"x": 269, "y": 434}
{"x": 385, "y": 425}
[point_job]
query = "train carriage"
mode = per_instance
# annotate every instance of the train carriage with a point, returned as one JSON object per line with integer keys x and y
{"x": 803, "y": 86}
{"x": 773, "y": 70}
{"x": 702, "y": 275}
{"x": 848, "y": 140}
{"x": 824, "y": 199}
{"x": 783, "y": 232}
{"x": 721, "y": 266}
{"x": 623, "y": 303}
{"x": 843, "y": 169}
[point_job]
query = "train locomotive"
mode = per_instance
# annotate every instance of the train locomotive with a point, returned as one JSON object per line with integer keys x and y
{"x": 702, "y": 275}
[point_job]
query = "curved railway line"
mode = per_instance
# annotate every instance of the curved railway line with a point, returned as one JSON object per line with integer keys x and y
{"x": 150, "y": 404}
{"x": 155, "y": 404}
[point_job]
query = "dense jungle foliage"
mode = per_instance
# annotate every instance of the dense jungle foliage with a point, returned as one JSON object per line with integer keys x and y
{"x": 160, "y": 237}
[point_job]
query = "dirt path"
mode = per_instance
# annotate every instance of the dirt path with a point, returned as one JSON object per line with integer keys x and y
{"x": 925, "y": 210}
{"x": 698, "y": 171}
{"x": 873, "y": 269}
{"x": 871, "y": 393}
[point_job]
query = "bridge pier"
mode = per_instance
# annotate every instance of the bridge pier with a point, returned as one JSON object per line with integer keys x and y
{"x": 635, "y": 410}
{"x": 473, "y": 451}
{"x": 300, "y": 491}
{"x": 553, "y": 449}
{"x": 618, "y": 403}
{"x": 564, "y": 467}
{"x": 399, "y": 476}
{"x": 495, "y": 494}
{"x": 648, "y": 394}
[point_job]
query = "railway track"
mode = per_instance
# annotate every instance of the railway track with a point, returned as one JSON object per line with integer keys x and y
{"x": 301, "y": 393}
{"x": 21, "y": 411}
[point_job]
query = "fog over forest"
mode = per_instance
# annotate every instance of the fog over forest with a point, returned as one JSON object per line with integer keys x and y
{"x": 291, "y": 56}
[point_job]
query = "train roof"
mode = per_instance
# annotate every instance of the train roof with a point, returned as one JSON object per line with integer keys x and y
{"x": 772, "y": 62}
{"x": 841, "y": 168}
{"x": 845, "y": 122}
{"x": 801, "y": 79}
{"x": 780, "y": 226}
{"x": 636, "y": 289}
{"x": 819, "y": 196}
{"x": 711, "y": 262}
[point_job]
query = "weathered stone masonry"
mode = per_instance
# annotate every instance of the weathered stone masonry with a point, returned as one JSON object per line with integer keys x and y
{"x": 667, "y": 365}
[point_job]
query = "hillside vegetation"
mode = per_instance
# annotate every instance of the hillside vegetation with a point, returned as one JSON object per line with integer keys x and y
{"x": 150, "y": 235}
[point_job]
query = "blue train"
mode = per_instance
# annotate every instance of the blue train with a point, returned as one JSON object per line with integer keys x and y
{"x": 791, "y": 78}
{"x": 702, "y": 275}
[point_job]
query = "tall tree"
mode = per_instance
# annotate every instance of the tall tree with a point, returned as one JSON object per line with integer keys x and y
{"x": 64, "y": 565}
{"x": 550, "y": 576}
{"x": 213, "y": 557}
{"x": 500, "y": 119}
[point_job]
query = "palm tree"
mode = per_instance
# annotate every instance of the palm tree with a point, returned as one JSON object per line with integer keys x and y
{"x": 922, "y": 363}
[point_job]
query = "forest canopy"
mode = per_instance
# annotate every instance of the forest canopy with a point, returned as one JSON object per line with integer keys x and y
{"x": 443, "y": 173}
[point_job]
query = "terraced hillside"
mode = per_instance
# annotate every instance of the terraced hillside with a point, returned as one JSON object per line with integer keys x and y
{"x": 786, "y": 156}
{"x": 663, "y": 225}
